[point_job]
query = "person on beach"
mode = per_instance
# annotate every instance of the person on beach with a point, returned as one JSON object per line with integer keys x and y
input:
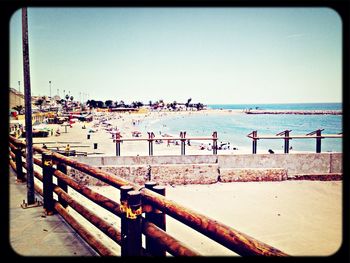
{"x": 58, "y": 132}
{"x": 67, "y": 149}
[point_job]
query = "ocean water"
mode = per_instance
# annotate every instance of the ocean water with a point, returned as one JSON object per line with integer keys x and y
{"x": 235, "y": 128}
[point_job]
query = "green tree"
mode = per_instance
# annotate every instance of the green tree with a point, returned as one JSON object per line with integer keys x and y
{"x": 40, "y": 102}
{"x": 108, "y": 103}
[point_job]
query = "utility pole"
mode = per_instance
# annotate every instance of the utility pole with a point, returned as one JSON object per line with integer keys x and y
{"x": 28, "y": 109}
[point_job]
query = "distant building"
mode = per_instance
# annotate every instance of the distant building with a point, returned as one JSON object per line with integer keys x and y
{"x": 16, "y": 98}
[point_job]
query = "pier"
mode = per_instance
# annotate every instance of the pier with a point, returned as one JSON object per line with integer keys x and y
{"x": 297, "y": 112}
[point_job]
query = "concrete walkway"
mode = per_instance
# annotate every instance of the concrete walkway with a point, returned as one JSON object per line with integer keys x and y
{"x": 32, "y": 233}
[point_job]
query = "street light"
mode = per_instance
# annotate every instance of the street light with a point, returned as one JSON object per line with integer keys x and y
{"x": 50, "y": 87}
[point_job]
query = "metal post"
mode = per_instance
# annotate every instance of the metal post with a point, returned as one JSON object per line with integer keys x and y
{"x": 123, "y": 207}
{"x": 28, "y": 109}
{"x": 134, "y": 224}
{"x": 19, "y": 164}
{"x": 157, "y": 217}
{"x": 47, "y": 183}
{"x": 63, "y": 168}
{"x": 318, "y": 141}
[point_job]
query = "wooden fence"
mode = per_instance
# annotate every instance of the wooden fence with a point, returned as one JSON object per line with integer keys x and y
{"x": 316, "y": 135}
{"x": 142, "y": 210}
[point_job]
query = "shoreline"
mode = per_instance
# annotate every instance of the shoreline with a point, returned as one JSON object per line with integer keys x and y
{"x": 126, "y": 123}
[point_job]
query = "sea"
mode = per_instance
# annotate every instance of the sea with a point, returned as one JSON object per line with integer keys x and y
{"x": 234, "y": 128}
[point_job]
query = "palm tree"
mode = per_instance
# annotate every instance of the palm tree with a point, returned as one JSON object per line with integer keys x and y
{"x": 188, "y": 103}
{"x": 40, "y": 102}
{"x": 91, "y": 103}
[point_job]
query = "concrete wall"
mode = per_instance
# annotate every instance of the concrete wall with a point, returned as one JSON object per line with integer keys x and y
{"x": 300, "y": 163}
{"x": 206, "y": 169}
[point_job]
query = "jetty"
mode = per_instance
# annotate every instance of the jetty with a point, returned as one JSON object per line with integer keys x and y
{"x": 298, "y": 112}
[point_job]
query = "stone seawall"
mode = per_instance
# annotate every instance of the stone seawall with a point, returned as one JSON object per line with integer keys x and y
{"x": 179, "y": 170}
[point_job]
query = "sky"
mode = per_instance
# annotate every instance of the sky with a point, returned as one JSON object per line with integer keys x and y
{"x": 212, "y": 55}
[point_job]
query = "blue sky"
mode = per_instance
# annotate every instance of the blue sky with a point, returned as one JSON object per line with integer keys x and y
{"x": 213, "y": 55}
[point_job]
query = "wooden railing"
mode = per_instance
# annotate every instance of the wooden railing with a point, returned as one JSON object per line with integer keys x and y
{"x": 142, "y": 210}
{"x": 152, "y": 138}
{"x": 285, "y": 135}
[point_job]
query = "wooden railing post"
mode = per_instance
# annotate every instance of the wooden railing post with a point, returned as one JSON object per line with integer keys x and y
{"x": 286, "y": 139}
{"x": 63, "y": 185}
{"x": 183, "y": 142}
{"x": 133, "y": 224}
{"x": 47, "y": 183}
{"x": 318, "y": 141}
{"x": 117, "y": 144}
{"x": 215, "y": 142}
{"x": 150, "y": 143}
{"x": 123, "y": 207}
{"x": 156, "y": 217}
{"x": 19, "y": 164}
{"x": 255, "y": 133}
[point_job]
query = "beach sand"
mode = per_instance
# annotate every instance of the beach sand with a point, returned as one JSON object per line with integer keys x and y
{"x": 298, "y": 217}
{"x": 124, "y": 123}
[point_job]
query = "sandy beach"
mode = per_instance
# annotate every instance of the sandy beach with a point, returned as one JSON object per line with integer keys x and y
{"x": 126, "y": 123}
{"x": 301, "y": 218}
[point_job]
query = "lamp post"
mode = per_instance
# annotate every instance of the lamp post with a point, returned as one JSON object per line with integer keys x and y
{"x": 50, "y": 87}
{"x": 28, "y": 109}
